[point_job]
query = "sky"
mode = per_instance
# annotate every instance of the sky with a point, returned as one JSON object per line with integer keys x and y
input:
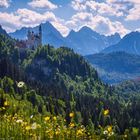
{"x": 103, "y": 16}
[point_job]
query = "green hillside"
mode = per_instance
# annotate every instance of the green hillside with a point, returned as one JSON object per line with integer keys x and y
{"x": 53, "y": 93}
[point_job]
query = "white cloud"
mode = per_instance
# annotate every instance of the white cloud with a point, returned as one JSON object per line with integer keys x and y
{"x": 134, "y": 13}
{"x": 4, "y": 3}
{"x": 28, "y": 18}
{"x": 98, "y": 23}
{"x": 104, "y": 8}
{"x": 42, "y": 4}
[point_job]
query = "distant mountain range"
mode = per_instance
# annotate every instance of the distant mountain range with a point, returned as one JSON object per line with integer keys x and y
{"x": 129, "y": 44}
{"x": 116, "y": 67}
{"x": 85, "y": 41}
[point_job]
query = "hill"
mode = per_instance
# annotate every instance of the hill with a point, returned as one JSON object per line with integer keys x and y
{"x": 55, "y": 94}
{"x": 129, "y": 44}
{"x": 116, "y": 67}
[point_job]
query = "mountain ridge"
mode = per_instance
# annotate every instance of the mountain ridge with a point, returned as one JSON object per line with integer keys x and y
{"x": 130, "y": 43}
{"x": 85, "y": 41}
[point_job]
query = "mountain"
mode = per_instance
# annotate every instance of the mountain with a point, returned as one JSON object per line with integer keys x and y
{"x": 129, "y": 44}
{"x": 49, "y": 34}
{"x": 2, "y": 31}
{"x": 116, "y": 67}
{"x": 85, "y": 41}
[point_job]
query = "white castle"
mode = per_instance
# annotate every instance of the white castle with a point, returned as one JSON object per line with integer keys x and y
{"x": 33, "y": 40}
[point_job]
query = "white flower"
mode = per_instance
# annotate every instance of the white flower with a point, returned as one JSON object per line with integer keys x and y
{"x": 20, "y": 84}
{"x": 110, "y": 134}
{"x": 19, "y": 121}
{"x": 105, "y": 132}
{"x": 34, "y": 126}
{"x": 31, "y": 116}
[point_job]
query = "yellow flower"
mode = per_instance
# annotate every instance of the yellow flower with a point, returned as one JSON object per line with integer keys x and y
{"x": 3, "y": 108}
{"x": 109, "y": 129}
{"x": 54, "y": 118}
{"x": 27, "y": 127}
{"x": 106, "y": 112}
{"x": 79, "y": 132}
{"x": 20, "y": 84}
{"x": 71, "y": 114}
{"x": 72, "y": 124}
{"x": 6, "y": 103}
{"x": 47, "y": 118}
{"x": 57, "y": 132}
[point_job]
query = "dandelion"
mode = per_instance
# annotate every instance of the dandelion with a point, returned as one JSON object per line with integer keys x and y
{"x": 106, "y": 112}
{"x": 47, "y": 118}
{"x": 20, "y": 84}
{"x": 71, "y": 114}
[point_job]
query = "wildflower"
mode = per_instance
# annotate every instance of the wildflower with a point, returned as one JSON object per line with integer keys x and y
{"x": 31, "y": 116}
{"x": 57, "y": 132}
{"x": 27, "y": 127}
{"x": 20, "y": 84}
{"x": 72, "y": 124}
{"x": 109, "y": 129}
{"x": 71, "y": 114}
{"x": 19, "y": 121}
{"x": 79, "y": 132}
{"x": 3, "y": 108}
{"x": 47, "y": 118}
{"x": 106, "y": 112}
{"x": 34, "y": 126}
{"x": 54, "y": 118}
{"x": 6, "y": 103}
{"x": 105, "y": 132}
{"x": 125, "y": 136}
{"x": 110, "y": 134}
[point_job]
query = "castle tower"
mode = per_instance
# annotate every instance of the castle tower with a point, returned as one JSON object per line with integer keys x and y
{"x": 40, "y": 35}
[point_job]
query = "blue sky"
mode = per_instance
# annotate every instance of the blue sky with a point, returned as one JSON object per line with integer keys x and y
{"x": 103, "y": 16}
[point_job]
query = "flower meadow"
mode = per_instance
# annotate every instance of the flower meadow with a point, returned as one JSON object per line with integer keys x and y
{"x": 20, "y": 120}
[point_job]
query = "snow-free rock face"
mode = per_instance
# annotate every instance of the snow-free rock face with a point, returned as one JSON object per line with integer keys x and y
{"x": 129, "y": 44}
{"x": 85, "y": 41}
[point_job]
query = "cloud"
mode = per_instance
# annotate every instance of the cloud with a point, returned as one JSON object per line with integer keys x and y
{"x": 4, "y": 3}
{"x": 98, "y": 23}
{"x": 42, "y": 4}
{"x": 97, "y": 8}
{"x": 28, "y": 18}
{"x": 134, "y": 13}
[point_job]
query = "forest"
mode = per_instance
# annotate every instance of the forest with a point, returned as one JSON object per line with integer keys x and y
{"x": 50, "y": 93}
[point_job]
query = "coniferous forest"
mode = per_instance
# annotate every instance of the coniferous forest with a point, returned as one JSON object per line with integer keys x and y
{"x": 50, "y": 93}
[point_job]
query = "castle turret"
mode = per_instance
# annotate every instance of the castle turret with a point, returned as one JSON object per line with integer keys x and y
{"x": 40, "y": 35}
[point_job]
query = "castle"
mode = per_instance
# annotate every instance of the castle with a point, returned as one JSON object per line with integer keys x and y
{"x": 33, "y": 40}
